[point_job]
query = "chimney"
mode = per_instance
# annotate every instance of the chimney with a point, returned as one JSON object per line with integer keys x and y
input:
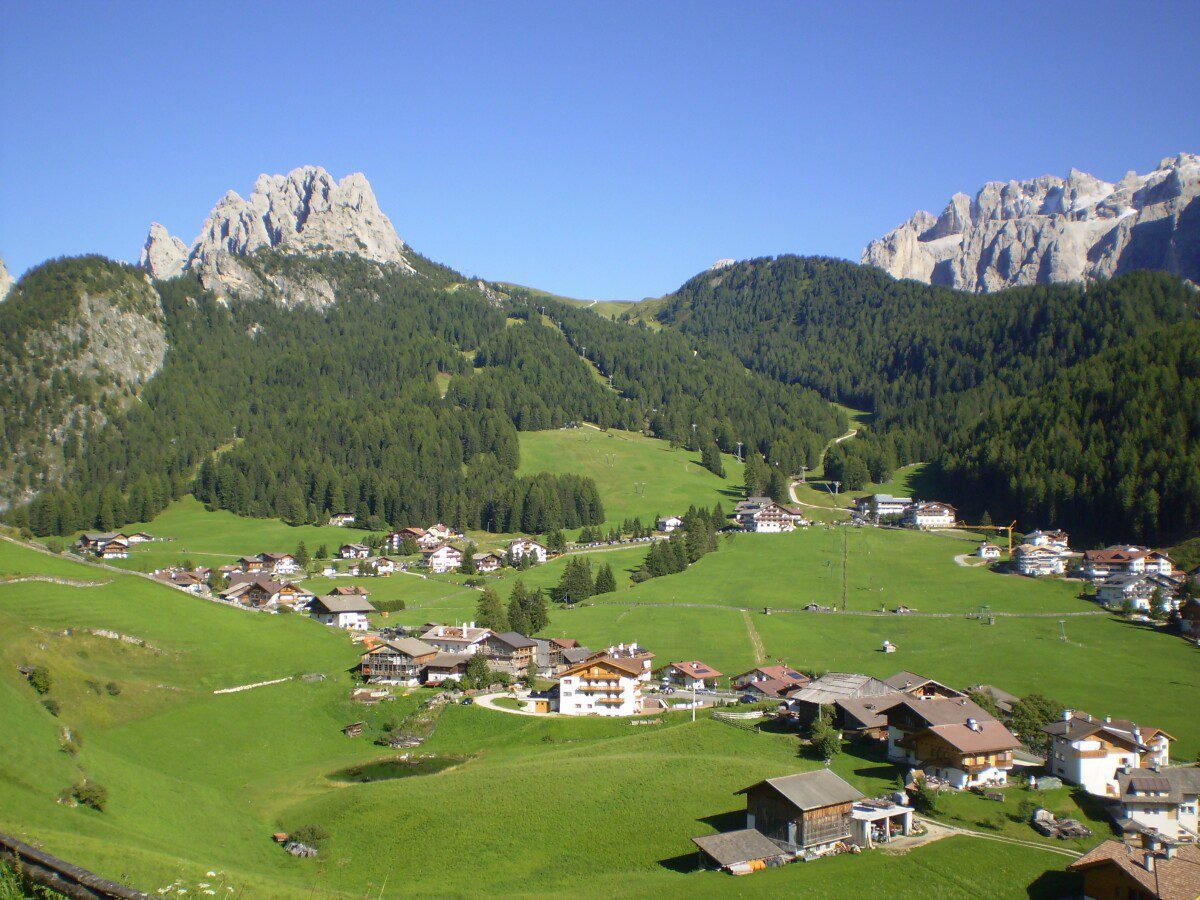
{"x": 1108, "y": 720}
{"x": 1169, "y": 850}
{"x": 1067, "y": 714}
{"x": 1148, "y": 860}
{"x": 973, "y": 724}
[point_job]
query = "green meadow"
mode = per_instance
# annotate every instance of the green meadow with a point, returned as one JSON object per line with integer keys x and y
{"x": 637, "y": 476}
{"x": 197, "y": 782}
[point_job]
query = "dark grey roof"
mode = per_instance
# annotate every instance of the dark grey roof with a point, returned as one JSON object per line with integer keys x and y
{"x": 812, "y": 790}
{"x": 732, "y": 847}
{"x": 338, "y": 604}
{"x": 573, "y": 655}
{"x": 1177, "y": 782}
{"x": 411, "y": 647}
{"x": 514, "y": 640}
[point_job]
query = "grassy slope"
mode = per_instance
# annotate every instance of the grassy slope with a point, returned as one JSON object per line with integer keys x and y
{"x": 212, "y": 538}
{"x": 669, "y": 480}
{"x": 197, "y": 782}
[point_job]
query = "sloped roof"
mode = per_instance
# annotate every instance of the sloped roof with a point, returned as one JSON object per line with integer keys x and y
{"x": 869, "y": 711}
{"x": 514, "y": 639}
{"x": 1175, "y": 781}
{"x": 1171, "y": 879}
{"x": 410, "y": 647}
{"x": 985, "y": 737}
{"x": 839, "y": 685}
{"x": 625, "y": 665}
{"x": 812, "y": 790}
{"x": 732, "y": 847}
{"x": 696, "y": 669}
{"x": 335, "y": 604}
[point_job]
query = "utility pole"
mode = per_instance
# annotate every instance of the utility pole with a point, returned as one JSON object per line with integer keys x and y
{"x": 837, "y": 487}
{"x": 803, "y": 474}
{"x": 1062, "y": 629}
{"x": 739, "y": 451}
{"x": 694, "y": 444}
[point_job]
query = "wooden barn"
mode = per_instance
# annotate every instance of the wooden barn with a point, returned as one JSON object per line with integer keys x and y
{"x": 808, "y": 813}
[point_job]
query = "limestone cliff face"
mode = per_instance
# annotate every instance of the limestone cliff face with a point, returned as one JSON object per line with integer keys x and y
{"x": 305, "y": 212}
{"x": 1052, "y": 229}
{"x": 83, "y": 338}
{"x": 6, "y": 281}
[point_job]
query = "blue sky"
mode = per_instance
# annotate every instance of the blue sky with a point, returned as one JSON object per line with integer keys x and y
{"x": 606, "y": 150}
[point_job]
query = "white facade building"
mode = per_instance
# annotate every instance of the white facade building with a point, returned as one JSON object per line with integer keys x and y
{"x": 443, "y": 559}
{"x": 668, "y": 524}
{"x": 930, "y": 515}
{"x": 520, "y": 548}
{"x": 602, "y": 686}
{"x": 1089, "y": 752}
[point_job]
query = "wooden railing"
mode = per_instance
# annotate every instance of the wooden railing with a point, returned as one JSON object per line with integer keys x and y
{"x": 56, "y": 874}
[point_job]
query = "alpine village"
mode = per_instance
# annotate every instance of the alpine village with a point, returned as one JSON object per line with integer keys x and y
{"x": 327, "y": 570}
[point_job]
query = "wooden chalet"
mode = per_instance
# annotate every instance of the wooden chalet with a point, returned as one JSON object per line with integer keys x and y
{"x": 808, "y": 813}
{"x": 401, "y": 661}
{"x": 509, "y": 651}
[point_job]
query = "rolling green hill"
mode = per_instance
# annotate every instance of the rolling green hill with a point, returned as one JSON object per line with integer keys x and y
{"x": 197, "y": 782}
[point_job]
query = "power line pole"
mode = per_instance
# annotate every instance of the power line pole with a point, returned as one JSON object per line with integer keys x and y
{"x": 739, "y": 451}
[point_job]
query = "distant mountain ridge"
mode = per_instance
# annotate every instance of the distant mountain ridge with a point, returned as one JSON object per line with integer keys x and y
{"x": 306, "y": 212}
{"x": 1049, "y": 229}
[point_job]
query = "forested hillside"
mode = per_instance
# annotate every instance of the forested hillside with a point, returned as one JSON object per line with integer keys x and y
{"x": 1115, "y": 439}
{"x": 299, "y": 412}
{"x": 78, "y": 340}
{"x": 931, "y": 363}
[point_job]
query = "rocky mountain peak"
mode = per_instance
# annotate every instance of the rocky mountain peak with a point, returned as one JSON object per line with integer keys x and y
{"x": 1050, "y": 229}
{"x": 305, "y": 212}
{"x": 6, "y": 280}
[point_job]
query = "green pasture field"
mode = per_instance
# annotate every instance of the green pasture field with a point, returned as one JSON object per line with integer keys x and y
{"x": 637, "y": 476}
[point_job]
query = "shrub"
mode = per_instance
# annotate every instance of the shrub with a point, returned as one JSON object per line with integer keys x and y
{"x": 1025, "y": 810}
{"x": 113, "y": 689}
{"x": 926, "y": 800}
{"x": 313, "y": 835}
{"x": 39, "y": 677}
{"x": 93, "y": 685}
{"x": 88, "y": 793}
{"x": 54, "y": 545}
{"x": 52, "y": 707}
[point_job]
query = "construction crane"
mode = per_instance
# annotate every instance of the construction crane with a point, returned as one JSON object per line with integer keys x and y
{"x": 1009, "y": 528}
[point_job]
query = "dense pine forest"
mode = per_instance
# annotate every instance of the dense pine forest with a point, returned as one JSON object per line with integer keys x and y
{"x": 970, "y": 381}
{"x": 298, "y": 412}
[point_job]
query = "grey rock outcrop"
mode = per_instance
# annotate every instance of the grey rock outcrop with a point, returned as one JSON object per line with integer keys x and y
{"x": 163, "y": 255}
{"x": 306, "y": 212}
{"x": 1051, "y": 229}
{"x": 6, "y": 280}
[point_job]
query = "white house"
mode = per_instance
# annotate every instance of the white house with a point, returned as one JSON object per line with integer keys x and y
{"x": 139, "y": 537}
{"x": 880, "y": 506}
{"x": 1138, "y": 590}
{"x": 763, "y": 515}
{"x": 279, "y": 563}
{"x": 1165, "y": 799}
{"x": 1041, "y": 538}
{"x": 457, "y": 639}
{"x": 693, "y": 675}
{"x": 639, "y": 657}
{"x": 341, "y": 520}
{"x": 601, "y": 686}
{"x": 1089, "y": 752}
{"x": 668, "y": 524}
{"x": 442, "y": 532}
{"x": 347, "y": 611}
{"x": 1036, "y": 561}
{"x": 988, "y": 551}
{"x": 520, "y": 548}
{"x": 445, "y": 558}
{"x": 353, "y": 551}
{"x": 930, "y": 515}
{"x": 1124, "y": 560}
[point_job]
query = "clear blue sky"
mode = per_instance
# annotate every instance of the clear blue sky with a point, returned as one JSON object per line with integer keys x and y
{"x": 604, "y": 150}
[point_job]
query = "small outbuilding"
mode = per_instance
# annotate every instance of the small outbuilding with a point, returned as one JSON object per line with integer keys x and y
{"x": 739, "y": 852}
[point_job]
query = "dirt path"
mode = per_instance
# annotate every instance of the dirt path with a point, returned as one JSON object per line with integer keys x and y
{"x": 760, "y": 652}
{"x": 865, "y": 612}
{"x": 948, "y": 830}
{"x": 488, "y": 701}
